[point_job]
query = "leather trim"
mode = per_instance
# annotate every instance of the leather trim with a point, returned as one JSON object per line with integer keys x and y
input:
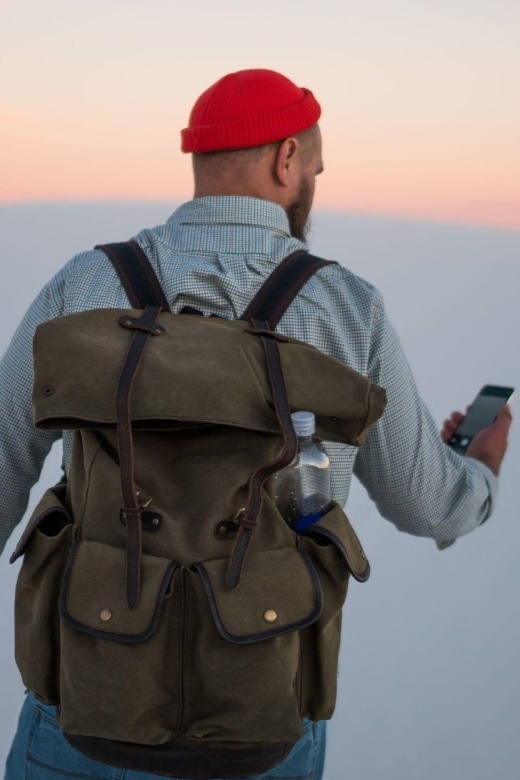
{"x": 282, "y": 286}
{"x": 126, "y": 638}
{"x": 275, "y": 631}
{"x": 131, "y": 507}
{"x": 183, "y": 760}
{"x": 136, "y": 274}
{"x": 121, "y": 271}
{"x": 153, "y": 282}
{"x": 317, "y": 531}
{"x": 249, "y": 519}
{"x": 136, "y": 323}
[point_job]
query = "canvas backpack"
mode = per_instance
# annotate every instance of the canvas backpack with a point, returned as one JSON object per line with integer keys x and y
{"x": 164, "y": 605}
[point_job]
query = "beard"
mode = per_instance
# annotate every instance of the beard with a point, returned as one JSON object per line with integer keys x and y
{"x": 299, "y": 211}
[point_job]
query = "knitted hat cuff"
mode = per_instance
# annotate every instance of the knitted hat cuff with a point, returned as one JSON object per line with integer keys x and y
{"x": 253, "y": 131}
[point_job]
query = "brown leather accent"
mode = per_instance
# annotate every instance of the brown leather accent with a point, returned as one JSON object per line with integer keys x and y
{"x": 271, "y": 333}
{"x": 275, "y": 630}
{"x": 247, "y": 522}
{"x": 150, "y": 521}
{"x": 125, "y": 281}
{"x": 292, "y": 292}
{"x": 131, "y": 510}
{"x": 136, "y": 323}
{"x": 150, "y": 275}
{"x": 183, "y": 760}
{"x": 268, "y": 284}
{"x": 226, "y": 529}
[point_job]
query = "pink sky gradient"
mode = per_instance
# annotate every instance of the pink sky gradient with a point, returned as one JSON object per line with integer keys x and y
{"x": 420, "y": 117}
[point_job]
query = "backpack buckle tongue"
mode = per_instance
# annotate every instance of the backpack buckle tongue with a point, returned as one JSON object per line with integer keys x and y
{"x": 144, "y": 501}
{"x": 137, "y": 323}
{"x": 242, "y": 522}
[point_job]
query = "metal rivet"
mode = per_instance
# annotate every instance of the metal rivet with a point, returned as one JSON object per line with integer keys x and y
{"x": 222, "y": 529}
{"x": 48, "y": 390}
{"x": 270, "y": 616}
{"x": 155, "y": 521}
{"x": 105, "y": 615}
{"x": 127, "y": 321}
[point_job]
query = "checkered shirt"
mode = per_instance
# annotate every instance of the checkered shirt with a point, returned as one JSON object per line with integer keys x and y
{"x": 214, "y": 253}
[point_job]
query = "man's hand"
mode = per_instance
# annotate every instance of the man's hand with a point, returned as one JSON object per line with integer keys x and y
{"x": 490, "y": 445}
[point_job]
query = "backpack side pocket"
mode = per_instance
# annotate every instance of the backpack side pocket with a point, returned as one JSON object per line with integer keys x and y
{"x": 44, "y": 545}
{"x": 336, "y": 552}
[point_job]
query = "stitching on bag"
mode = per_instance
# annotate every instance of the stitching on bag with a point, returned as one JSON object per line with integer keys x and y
{"x": 128, "y": 638}
{"x": 295, "y": 626}
{"x": 87, "y": 486}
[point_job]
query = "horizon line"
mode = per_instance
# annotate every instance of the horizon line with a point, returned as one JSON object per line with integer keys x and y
{"x": 367, "y": 214}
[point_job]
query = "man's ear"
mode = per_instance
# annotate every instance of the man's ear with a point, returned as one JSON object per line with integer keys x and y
{"x": 284, "y": 161}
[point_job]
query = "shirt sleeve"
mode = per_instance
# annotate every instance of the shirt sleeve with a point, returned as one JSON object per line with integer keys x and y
{"x": 416, "y": 481}
{"x": 23, "y": 448}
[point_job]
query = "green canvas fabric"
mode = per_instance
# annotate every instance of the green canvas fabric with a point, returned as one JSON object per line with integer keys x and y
{"x": 194, "y": 662}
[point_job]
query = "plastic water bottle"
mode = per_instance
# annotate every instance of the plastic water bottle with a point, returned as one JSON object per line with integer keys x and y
{"x": 302, "y": 489}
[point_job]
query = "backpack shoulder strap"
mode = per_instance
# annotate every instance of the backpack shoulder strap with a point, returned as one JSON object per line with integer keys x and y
{"x": 269, "y": 304}
{"x": 282, "y": 286}
{"x": 136, "y": 274}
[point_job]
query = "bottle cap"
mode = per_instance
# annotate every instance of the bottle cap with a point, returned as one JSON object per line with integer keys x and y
{"x": 304, "y": 423}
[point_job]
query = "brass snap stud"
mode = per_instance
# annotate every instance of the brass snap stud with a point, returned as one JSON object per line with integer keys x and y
{"x": 222, "y": 529}
{"x": 270, "y": 616}
{"x": 105, "y": 615}
{"x": 155, "y": 521}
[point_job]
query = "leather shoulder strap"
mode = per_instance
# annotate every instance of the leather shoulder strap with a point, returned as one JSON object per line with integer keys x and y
{"x": 282, "y": 286}
{"x": 136, "y": 274}
{"x": 269, "y": 304}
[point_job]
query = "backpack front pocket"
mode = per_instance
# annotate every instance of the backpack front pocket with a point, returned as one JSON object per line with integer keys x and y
{"x": 118, "y": 665}
{"x": 243, "y": 646}
{"x": 45, "y": 545}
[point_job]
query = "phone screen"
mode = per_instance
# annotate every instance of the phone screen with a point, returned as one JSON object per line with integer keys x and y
{"x": 483, "y": 411}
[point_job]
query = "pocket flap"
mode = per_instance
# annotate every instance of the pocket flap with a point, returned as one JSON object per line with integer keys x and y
{"x": 279, "y": 592}
{"x": 335, "y": 527}
{"x": 50, "y": 516}
{"x": 93, "y": 594}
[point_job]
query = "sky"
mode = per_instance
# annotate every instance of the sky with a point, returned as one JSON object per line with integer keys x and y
{"x": 421, "y": 116}
{"x": 428, "y": 684}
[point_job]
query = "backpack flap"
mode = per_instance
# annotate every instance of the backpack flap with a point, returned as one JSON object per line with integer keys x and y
{"x": 201, "y": 371}
{"x": 335, "y": 529}
{"x": 279, "y": 592}
{"x": 50, "y": 516}
{"x": 93, "y": 598}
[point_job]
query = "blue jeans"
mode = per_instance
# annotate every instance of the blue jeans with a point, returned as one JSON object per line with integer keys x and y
{"x": 40, "y": 752}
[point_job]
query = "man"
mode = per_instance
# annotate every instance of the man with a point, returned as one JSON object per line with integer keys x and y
{"x": 256, "y": 149}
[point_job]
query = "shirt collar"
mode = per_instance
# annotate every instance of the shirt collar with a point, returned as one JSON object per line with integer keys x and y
{"x": 232, "y": 210}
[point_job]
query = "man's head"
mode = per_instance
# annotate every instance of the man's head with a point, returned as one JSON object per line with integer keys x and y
{"x": 255, "y": 133}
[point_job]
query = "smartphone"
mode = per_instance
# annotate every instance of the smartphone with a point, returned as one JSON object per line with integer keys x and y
{"x": 482, "y": 412}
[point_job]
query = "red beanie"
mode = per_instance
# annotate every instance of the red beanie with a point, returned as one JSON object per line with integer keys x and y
{"x": 246, "y": 109}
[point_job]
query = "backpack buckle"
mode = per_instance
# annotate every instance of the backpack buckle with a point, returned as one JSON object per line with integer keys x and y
{"x": 240, "y": 520}
{"x": 145, "y": 502}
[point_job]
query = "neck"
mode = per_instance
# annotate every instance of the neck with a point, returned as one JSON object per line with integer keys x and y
{"x": 212, "y": 189}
